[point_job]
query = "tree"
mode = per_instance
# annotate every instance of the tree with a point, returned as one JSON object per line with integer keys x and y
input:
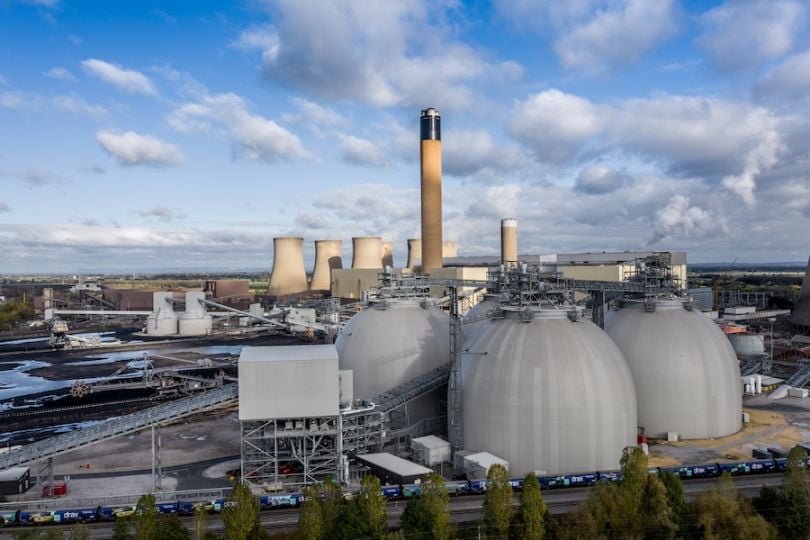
{"x": 427, "y": 515}
{"x": 674, "y": 486}
{"x": 146, "y": 519}
{"x": 79, "y": 532}
{"x": 371, "y": 505}
{"x": 498, "y": 502}
{"x": 654, "y": 512}
{"x": 529, "y": 519}
{"x": 122, "y": 530}
{"x": 310, "y": 520}
{"x": 241, "y": 514}
{"x": 350, "y": 523}
{"x": 200, "y": 523}
{"x": 720, "y": 514}
{"x": 332, "y": 500}
{"x": 171, "y": 528}
{"x": 788, "y": 508}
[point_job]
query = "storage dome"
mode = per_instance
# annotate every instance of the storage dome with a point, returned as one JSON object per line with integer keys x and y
{"x": 548, "y": 394}
{"x": 391, "y": 343}
{"x": 686, "y": 373}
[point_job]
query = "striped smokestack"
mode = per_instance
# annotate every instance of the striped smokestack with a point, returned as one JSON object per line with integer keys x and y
{"x": 509, "y": 243}
{"x": 431, "y": 159}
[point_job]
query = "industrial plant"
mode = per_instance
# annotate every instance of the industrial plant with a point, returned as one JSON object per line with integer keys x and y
{"x": 549, "y": 364}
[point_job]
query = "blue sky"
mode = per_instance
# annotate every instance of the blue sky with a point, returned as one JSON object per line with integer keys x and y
{"x": 154, "y": 135}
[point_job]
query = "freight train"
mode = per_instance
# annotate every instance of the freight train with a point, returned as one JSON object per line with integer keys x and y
{"x": 390, "y": 492}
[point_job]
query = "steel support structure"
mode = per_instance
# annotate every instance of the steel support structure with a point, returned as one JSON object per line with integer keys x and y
{"x": 456, "y": 405}
{"x": 157, "y": 465}
{"x": 295, "y": 451}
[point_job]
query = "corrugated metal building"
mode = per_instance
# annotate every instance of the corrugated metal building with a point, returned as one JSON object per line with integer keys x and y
{"x": 15, "y": 480}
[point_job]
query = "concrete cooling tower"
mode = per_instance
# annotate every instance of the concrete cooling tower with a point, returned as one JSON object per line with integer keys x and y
{"x": 549, "y": 394}
{"x": 509, "y": 241}
{"x": 686, "y": 373}
{"x": 367, "y": 252}
{"x": 289, "y": 275}
{"x": 431, "y": 161}
{"x": 163, "y": 319}
{"x": 414, "y": 252}
{"x": 391, "y": 344}
{"x": 388, "y": 254}
{"x": 449, "y": 248}
{"x": 328, "y": 256}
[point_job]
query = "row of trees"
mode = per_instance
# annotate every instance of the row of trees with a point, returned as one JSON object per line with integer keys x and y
{"x": 12, "y": 313}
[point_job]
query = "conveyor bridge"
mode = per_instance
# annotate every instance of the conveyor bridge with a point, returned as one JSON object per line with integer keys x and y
{"x": 117, "y": 427}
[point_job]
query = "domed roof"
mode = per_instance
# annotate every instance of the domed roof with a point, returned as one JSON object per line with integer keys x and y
{"x": 476, "y": 315}
{"x": 686, "y": 373}
{"x": 390, "y": 344}
{"x": 550, "y": 394}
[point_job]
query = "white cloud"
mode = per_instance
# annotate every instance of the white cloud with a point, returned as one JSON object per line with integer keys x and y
{"x": 599, "y": 179}
{"x": 77, "y": 105}
{"x": 33, "y": 176}
{"x": 554, "y": 124}
{"x": 743, "y": 33}
{"x": 162, "y": 213}
{"x": 128, "y": 80}
{"x": 358, "y": 151}
{"x": 314, "y": 115}
{"x": 14, "y": 100}
{"x": 130, "y": 148}
{"x": 594, "y": 35}
{"x": 60, "y": 73}
{"x": 764, "y": 156}
{"x": 254, "y": 136}
{"x": 787, "y": 81}
{"x": 475, "y": 152}
{"x": 679, "y": 217}
{"x": 331, "y": 49}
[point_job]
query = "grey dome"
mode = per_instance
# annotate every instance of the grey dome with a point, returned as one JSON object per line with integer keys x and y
{"x": 686, "y": 373}
{"x": 548, "y": 395}
{"x": 748, "y": 344}
{"x": 475, "y": 316}
{"x": 390, "y": 345}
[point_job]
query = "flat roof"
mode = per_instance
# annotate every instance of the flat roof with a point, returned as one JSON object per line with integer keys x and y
{"x": 486, "y": 460}
{"x": 287, "y": 353}
{"x": 14, "y": 473}
{"x": 431, "y": 441}
{"x": 394, "y": 464}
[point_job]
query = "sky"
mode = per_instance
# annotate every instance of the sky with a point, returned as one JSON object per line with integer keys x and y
{"x": 156, "y": 135}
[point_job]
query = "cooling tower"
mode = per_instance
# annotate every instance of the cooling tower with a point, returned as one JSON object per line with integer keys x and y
{"x": 414, "y": 251}
{"x": 367, "y": 251}
{"x": 327, "y": 257}
{"x": 800, "y": 316}
{"x": 388, "y": 254}
{"x": 288, "y": 276}
{"x": 431, "y": 159}
{"x": 449, "y": 249}
{"x": 509, "y": 243}
{"x": 547, "y": 393}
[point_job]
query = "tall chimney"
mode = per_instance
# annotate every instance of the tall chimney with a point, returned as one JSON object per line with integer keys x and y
{"x": 449, "y": 248}
{"x": 327, "y": 257}
{"x": 387, "y": 253}
{"x": 289, "y": 275}
{"x": 414, "y": 252}
{"x": 367, "y": 252}
{"x": 431, "y": 158}
{"x": 509, "y": 243}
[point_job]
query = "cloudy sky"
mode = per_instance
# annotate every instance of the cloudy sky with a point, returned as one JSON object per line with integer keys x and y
{"x": 150, "y": 135}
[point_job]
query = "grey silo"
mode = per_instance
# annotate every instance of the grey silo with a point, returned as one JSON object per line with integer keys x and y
{"x": 551, "y": 394}
{"x": 686, "y": 374}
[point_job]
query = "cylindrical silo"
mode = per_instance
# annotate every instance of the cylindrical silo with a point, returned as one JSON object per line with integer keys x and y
{"x": 389, "y": 344}
{"x": 509, "y": 241}
{"x": 431, "y": 161}
{"x": 289, "y": 275}
{"x": 387, "y": 253}
{"x": 547, "y": 392}
{"x": 163, "y": 319}
{"x": 449, "y": 248}
{"x": 195, "y": 321}
{"x": 686, "y": 373}
{"x": 367, "y": 250}
{"x": 414, "y": 252}
{"x": 328, "y": 256}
